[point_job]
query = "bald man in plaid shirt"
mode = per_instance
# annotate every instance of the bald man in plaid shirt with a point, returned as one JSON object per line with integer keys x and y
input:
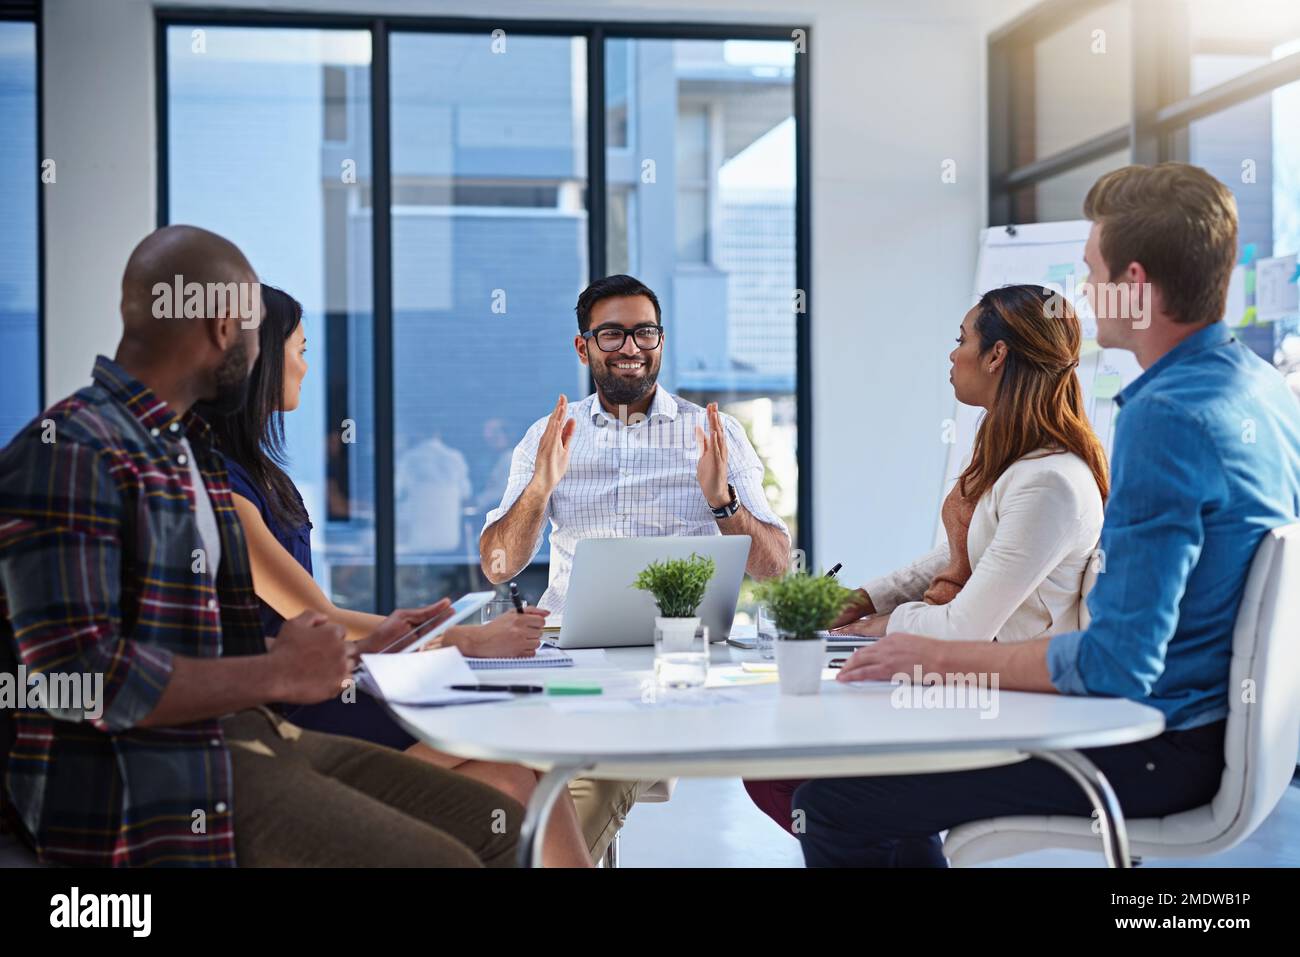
{"x": 121, "y": 557}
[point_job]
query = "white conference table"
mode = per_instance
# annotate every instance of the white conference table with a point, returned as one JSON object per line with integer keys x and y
{"x": 635, "y": 731}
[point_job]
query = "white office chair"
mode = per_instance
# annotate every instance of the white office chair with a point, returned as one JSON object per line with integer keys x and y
{"x": 1259, "y": 749}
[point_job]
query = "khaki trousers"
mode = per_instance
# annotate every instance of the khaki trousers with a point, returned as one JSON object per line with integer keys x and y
{"x": 304, "y": 799}
{"x": 603, "y": 806}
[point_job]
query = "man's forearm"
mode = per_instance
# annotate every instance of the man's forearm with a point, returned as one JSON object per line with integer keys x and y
{"x": 769, "y": 549}
{"x": 1019, "y": 665}
{"x": 506, "y": 546}
{"x": 202, "y": 688}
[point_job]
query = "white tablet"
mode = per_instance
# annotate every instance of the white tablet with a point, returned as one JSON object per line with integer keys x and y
{"x": 461, "y": 609}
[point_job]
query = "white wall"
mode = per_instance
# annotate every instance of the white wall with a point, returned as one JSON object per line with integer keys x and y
{"x": 99, "y": 129}
{"x": 898, "y": 88}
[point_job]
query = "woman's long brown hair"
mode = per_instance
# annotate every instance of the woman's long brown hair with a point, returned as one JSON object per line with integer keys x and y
{"x": 1039, "y": 403}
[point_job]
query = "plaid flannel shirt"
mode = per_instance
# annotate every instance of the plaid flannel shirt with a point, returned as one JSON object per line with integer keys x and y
{"x": 99, "y": 575}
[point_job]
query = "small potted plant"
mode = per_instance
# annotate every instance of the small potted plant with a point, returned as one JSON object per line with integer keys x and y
{"x": 802, "y": 604}
{"x": 677, "y": 585}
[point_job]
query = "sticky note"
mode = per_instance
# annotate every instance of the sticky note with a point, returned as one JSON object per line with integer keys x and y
{"x": 1247, "y": 254}
{"x": 1275, "y": 292}
{"x": 1107, "y": 386}
{"x": 1058, "y": 273}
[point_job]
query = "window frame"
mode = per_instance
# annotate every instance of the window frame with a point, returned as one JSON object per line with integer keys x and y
{"x": 595, "y": 33}
{"x": 1162, "y": 110}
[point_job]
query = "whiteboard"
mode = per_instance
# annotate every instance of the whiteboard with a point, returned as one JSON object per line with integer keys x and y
{"x": 1050, "y": 255}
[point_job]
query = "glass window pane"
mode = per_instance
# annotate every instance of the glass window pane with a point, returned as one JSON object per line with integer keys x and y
{"x": 692, "y": 225}
{"x": 19, "y": 297}
{"x": 1226, "y": 41}
{"x": 1061, "y": 197}
{"x": 693, "y": 144}
{"x": 269, "y": 145}
{"x": 620, "y": 210}
{"x": 712, "y": 229}
{"x": 1254, "y": 149}
{"x": 618, "y": 79}
{"x": 487, "y": 265}
{"x": 1081, "y": 79}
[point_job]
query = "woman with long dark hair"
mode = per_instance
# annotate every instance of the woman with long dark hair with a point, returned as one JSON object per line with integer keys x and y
{"x": 1024, "y": 517}
{"x": 278, "y": 532}
{"x": 1025, "y": 514}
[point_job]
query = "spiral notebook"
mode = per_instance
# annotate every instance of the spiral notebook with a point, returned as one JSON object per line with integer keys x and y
{"x": 545, "y": 657}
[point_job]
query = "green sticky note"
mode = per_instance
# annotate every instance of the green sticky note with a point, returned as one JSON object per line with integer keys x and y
{"x": 1058, "y": 272}
{"x": 1250, "y": 282}
{"x": 1107, "y": 386}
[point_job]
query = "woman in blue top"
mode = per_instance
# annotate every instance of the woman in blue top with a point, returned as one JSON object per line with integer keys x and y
{"x": 278, "y": 532}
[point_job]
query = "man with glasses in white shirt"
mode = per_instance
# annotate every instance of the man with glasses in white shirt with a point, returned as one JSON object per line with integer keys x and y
{"x": 634, "y": 460}
{"x": 631, "y": 460}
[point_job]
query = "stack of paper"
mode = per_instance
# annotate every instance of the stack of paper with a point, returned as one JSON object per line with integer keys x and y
{"x": 423, "y": 679}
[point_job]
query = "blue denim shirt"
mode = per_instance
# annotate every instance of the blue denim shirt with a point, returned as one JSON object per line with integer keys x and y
{"x": 1206, "y": 460}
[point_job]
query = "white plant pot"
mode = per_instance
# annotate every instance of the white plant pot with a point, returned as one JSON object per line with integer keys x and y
{"x": 799, "y": 664}
{"x": 676, "y": 634}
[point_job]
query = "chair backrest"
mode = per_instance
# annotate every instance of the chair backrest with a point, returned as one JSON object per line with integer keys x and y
{"x": 1263, "y": 728}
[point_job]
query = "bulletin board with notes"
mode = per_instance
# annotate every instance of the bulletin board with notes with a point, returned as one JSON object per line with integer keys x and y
{"x": 1049, "y": 255}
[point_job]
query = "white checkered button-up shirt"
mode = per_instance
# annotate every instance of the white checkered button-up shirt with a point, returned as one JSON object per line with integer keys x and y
{"x": 635, "y": 480}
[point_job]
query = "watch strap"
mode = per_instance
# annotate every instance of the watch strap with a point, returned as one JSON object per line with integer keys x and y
{"x": 729, "y": 509}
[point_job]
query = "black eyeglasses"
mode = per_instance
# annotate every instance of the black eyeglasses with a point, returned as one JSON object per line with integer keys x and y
{"x": 611, "y": 338}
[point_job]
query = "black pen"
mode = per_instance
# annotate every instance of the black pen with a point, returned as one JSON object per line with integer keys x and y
{"x": 835, "y": 571}
{"x": 513, "y": 689}
{"x": 514, "y": 597}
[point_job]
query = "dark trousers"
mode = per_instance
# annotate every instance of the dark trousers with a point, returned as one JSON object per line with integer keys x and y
{"x": 895, "y": 821}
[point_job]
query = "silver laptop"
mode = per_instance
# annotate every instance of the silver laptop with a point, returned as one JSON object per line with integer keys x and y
{"x": 603, "y": 610}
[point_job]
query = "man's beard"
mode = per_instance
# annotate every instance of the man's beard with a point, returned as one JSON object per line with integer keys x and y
{"x": 619, "y": 390}
{"x": 232, "y": 380}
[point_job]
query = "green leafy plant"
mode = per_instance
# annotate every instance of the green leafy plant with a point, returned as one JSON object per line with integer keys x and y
{"x": 803, "y": 604}
{"x": 677, "y": 584}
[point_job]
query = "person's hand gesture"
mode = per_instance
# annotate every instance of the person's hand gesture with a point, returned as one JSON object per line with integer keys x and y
{"x": 553, "y": 448}
{"x": 711, "y": 472}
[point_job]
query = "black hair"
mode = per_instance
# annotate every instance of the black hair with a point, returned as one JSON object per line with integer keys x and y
{"x": 253, "y": 435}
{"x": 612, "y": 287}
